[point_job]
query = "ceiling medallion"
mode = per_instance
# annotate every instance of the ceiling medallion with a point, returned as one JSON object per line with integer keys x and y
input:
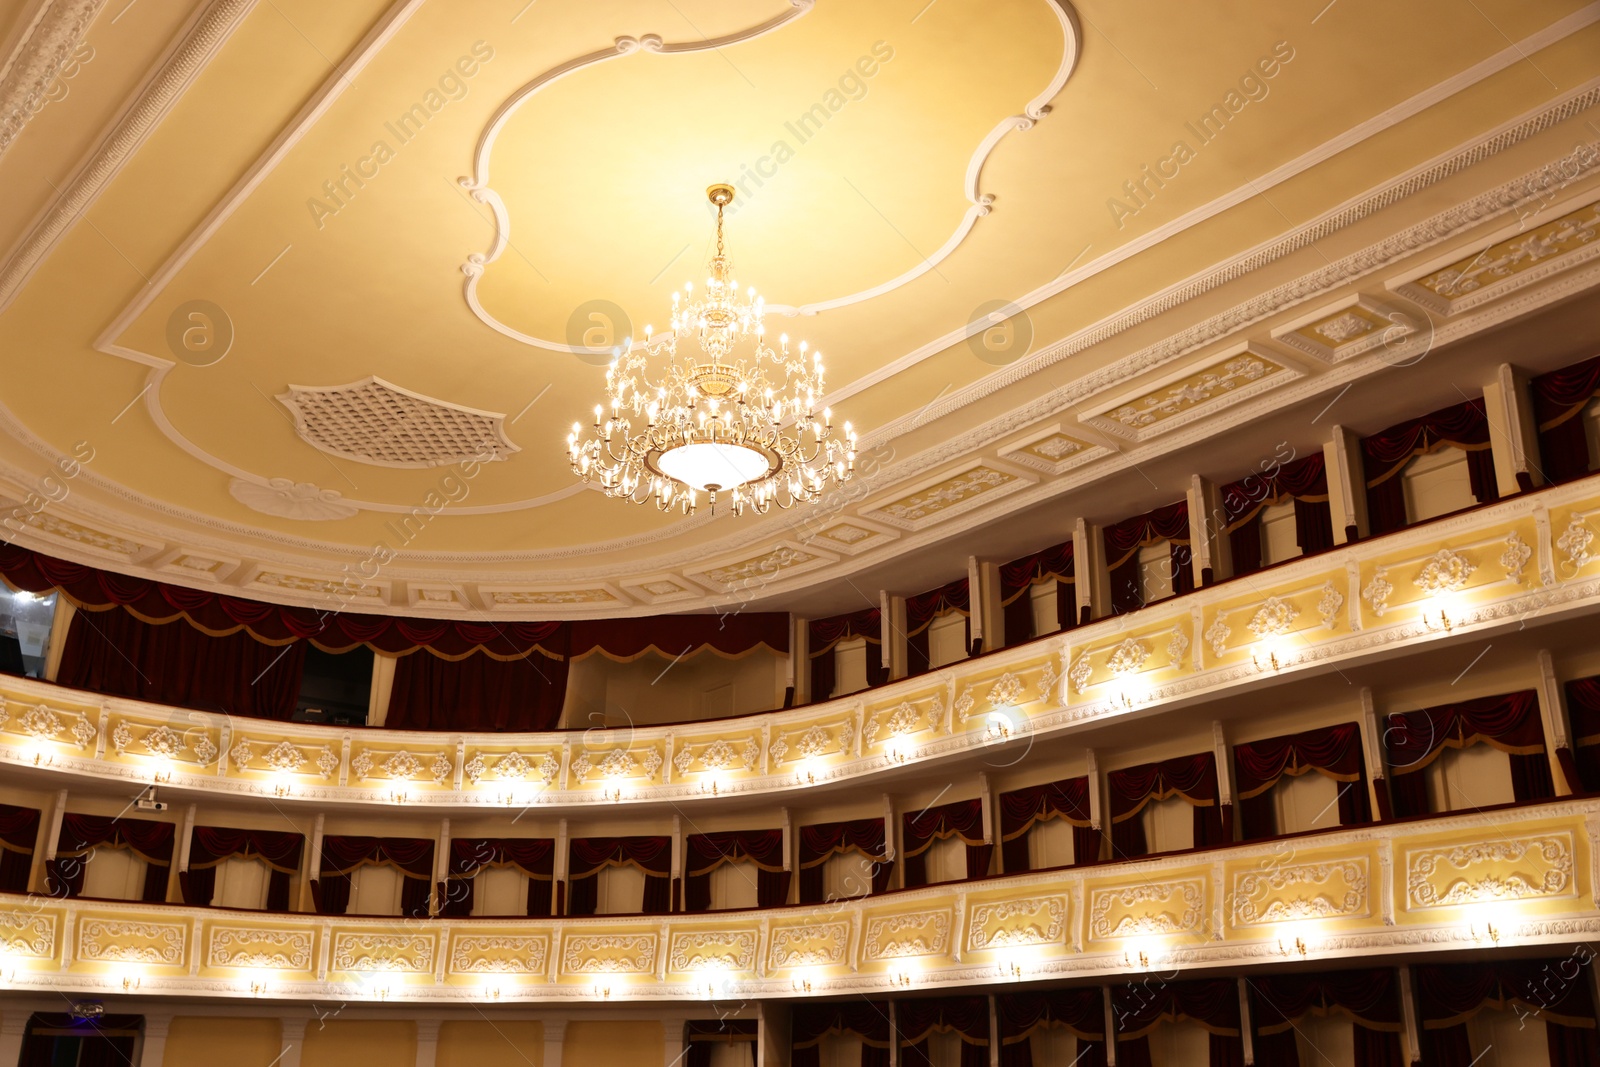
{"x": 714, "y": 421}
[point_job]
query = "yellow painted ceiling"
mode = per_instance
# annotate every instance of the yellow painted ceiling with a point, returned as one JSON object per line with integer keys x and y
{"x": 312, "y": 182}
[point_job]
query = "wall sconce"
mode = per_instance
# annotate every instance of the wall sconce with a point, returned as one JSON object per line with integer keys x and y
{"x": 901, "y": 979}
{"x": 1438, "y": 620}
{"x": 602, "y": 992}
{"x": 712, "y": 786}
{"x": 160, "y": 777}
{"x": 1269, "y": 661}
{"x": 257, "y": 987}
{"x": 800, "y": 985}
{"x": 998, "y": 728}
{"x": 41, "y": 758}
{"x": 804, "y": 778}
{"x": 1143, "y": 960}
{"x": 1298, "y": 947}
{"x": 398, "y": 796}
{"x": 282, "y": 789}
{"x": 1486, "y": 931}
{"x": 1011, "y": 969}
{"x": 131, "y": 983}
{"x": 612, "y": 793}
{"x": 493, "y": 992}
{"x": 8, "y": 976}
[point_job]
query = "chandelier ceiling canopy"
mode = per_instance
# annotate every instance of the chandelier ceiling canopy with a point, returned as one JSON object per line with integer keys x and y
{"x": 710, "y": 407}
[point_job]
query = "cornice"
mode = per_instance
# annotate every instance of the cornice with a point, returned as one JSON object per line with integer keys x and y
{"x": 45, "y": 47}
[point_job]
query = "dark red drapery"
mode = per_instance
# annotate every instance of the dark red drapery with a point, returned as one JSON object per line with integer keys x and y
{"x": 1333, "y": 751}
{"x": 818, "y": 842}
{"x": 19, "y": 833}
{"x": 1021, "y": 809}
{"x": 965, "y": 1016}
{"x": 1080, "y": 1011}
{"x": 114, "y": 653}
{"x": 1559, "y": 399}
{"x": 1385, "y": 454}
{"x": 209, "y": 846}
{"x": 730, "y": 635}
{"x": 1554, "y": 990}
{"x": 477, "y": 692}
{"x": 342, "y": 856}
{"x": 867, "y": 1019}
{"x": 591, "y": 855}
{"x": 533, "y": 856}
{"x": 1582, "y": 763}
{"x": 763, "y": 849}
{"x": 1509, "y": 722}
{"x": 1138, "y": 1007}
{"x": 1369, "y": 998}
{"x": 951, "y": 598}
{"x": 82, "y": 834}
{"x": 56, "y": 1038}
{"x": 1017, "y": 579}
{"x": 961, "y": 819}
{"x": 1124, "y": 539}
{"x": 824, "y": 634}
{"x": 1194, "y": 778}
{"x": 1304, "y": 481}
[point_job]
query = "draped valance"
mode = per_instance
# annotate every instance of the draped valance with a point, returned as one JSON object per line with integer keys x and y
{"x": 590, "y": 855}
{"x": 533, "y": 857}
{"x": 1022, "y": 809}
{"x": 962, "y": 819}
{"x": 1369, "y": 998}
{"x": 1080, "y": 1011}
{"x": 1555, "y": 991}
{"x": 952, "y": 598}
{"x": 867, "y": 1019}
{"x": 1583, "y": 710}
{"x": 81, "y": 835}
{"x": 19, "y": 832}
{"x": 966, "y": 1017}
{"x": 1017, "y": 580}
{"x": 210, "y": 846}
{"x": 762, "y": 849}
{"x": 1333, "y": 752}
{"x": 865, "y": 837}
{"x": 411, "y": 856}
{"x": 866, "y": 624}
{"x": 1168, "y": 523}
{"x": 1509, "y": 722}
{"x": 1193, "y": 778}
{"x": 1386, "y": 453}
{"x": 1212, "y": 1004}
{"x": 1305, "y": 482}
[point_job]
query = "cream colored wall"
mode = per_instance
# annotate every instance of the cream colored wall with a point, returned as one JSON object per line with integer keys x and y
{"x": 491, "y": 1043}
{"x": 612, "y": 1042}
{"x": 207, "y": 1041}
{"x": 344, "y": 1042}
{"x": 654, "y": 689}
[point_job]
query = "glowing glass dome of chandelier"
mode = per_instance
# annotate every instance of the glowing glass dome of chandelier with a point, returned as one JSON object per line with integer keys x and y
{"x": 709, "y": 407}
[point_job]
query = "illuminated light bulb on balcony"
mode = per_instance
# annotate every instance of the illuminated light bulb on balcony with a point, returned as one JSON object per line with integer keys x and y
{"x": 601, "y": 991}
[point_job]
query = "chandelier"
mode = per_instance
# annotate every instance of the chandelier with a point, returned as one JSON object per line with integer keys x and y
{"x": 709, "y": 407}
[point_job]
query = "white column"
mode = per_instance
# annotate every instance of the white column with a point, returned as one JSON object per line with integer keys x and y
{"x": 1553, "y": 711}
{"x": 1111, "y": 1030}
{"x": 891, "y": 838}
{"x": 796, "y": 654}
{"x": 1245, "y": 1027}
{"x": 1219, "y": 747}
{"x": 44, "y": 845}
{"x": 1408, "y": 1017}
{"x": 994, "y": 626}
{"x": 679, "y": 891}
{"x": 1347, "y": 485}
{"x": 789, "y": 858}
{"x": 13, "y": 1025}
{"x": 555, "y": 1033}
{"x": 1513, "y": 436}
{"x": 994, "y": 1033}
{"x": 441, "y": 868}
{"x": 894, "y": 1036}
{"x": 1372, "y": 745}
{"x": 153, "y": 1042}
{"x": 800, "y": 661}
{"x": 1095, "y": 802}
{"x": 894, "y": 635}
{"x": 427, "y": 1042}
{"x": 672, "y": 1033}
{"x": 559, "y": 871}
{"x": 312, "y": 866}
{"x": 382, "y": 686}
{"x": 1203, "y": 533}
{"x": 1094, "y": 578}
{"x": 60, "y": 623}
{"x": 292, "y": 1036}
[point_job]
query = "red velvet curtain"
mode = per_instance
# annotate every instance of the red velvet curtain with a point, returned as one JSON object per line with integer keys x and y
{"x": 1194, "y": 778}
{"x": 114, "y": 653}
{"x": 966, "y": 1016}
{"x": 1554, "y": 990}
{"x": 728, "y": 634}
{"x": 1124, "y": 539}
{"x": 922, "y": 609}
{"x": 818, "y": 842}
{"x": 1558, "y": 402}
{"x": 533, "y": 856}
{"x": 209, "y": 846}
{"x": 1021, "y": 809}
{"x": 477, "y": 693}
{"x": 1079, "y": 1011}
{"x": 1139, "y": 1007}
{"x": 82, "y": 834}
{"x": 1333, "y": 751}
{"x": 1369, "y": 997}
{"x": 824, "y": 634}
{"x": 762, "y": 848}
{"x": 1509, "y": 722}
{"x": 867, "y": 1019}
{"x": 1583, "y": 711}
{"x": 1385, "y": 454}
{"x": 19, "y": 832}
{"x": 343, "y": 855}
{"x": 1017, "y": 579}
{"x": 1305, "y": 481}
{"x": 962, "y": 819}
{"x": 591, "y": 855}
{"x": 331, "y": 629}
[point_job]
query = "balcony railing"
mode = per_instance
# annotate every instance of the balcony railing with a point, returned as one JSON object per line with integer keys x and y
{"x": 1488, "y": 569}
{"x": 1519, "y": 876}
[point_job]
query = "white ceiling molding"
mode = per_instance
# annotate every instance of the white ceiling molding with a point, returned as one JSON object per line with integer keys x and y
{"x": 1443, "y": 226}
{"x": 44, "y": 47}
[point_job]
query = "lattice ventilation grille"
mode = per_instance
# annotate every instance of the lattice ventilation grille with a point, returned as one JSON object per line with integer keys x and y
{"x": 375, "y": 422}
